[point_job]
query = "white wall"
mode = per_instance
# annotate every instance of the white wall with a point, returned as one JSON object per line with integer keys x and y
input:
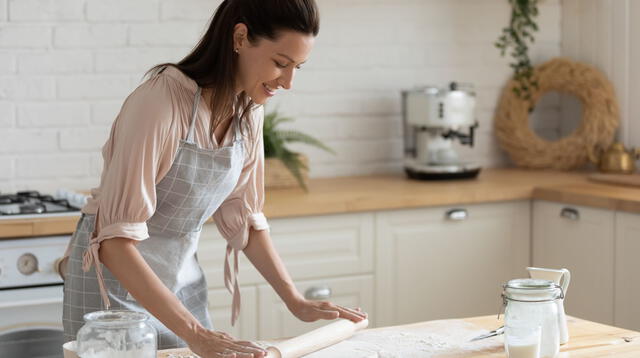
{"x": 603, "y": 33}
{"x": 67, "y": 65}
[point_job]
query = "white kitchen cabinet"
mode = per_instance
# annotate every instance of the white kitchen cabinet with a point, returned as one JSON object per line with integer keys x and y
{"x": 627, "y": 271}
{"x": 448, "y": 262}
{"x": 334, "y": 250}
{"x": 580, "y": 239}
{"x": 220, "y": 310}
{"x": 276, "y": 320}
{"x": 311, "y": 247}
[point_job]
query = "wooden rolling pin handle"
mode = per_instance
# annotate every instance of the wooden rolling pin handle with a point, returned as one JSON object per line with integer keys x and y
{"x": 317, "y": 339}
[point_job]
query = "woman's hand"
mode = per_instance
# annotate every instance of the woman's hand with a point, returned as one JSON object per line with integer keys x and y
{"x": 310, "y": 311}
{"x": 215, "y": 344}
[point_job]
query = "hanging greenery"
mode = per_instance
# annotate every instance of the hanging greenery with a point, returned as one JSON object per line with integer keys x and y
{"x": 275, "y": 141}
{"x": 516, "y": 38}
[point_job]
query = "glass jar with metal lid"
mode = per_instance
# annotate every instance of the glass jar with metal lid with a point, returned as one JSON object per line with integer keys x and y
{"x": 530, "y": 303}
{"x": 122, "y": 334}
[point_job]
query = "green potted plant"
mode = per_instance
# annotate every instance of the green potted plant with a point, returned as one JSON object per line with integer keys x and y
{"x": 516, "y": 38}
{"x": 283, "y": 167}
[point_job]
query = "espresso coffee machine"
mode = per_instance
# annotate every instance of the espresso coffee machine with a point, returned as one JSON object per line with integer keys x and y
{"x": 433, "y": 117}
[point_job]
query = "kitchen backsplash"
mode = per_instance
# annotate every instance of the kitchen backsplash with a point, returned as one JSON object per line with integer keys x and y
{"x": 67, "y": 65}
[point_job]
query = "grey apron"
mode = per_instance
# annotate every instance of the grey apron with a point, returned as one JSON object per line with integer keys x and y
{"x": 197, "y": 183}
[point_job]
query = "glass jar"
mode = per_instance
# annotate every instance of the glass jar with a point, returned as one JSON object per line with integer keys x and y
{"x": 117, "y": 334}
{"x": 530, "y": 304}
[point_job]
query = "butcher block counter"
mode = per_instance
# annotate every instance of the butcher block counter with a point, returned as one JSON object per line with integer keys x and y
{"x": 387, "y": 192}
{"x": 587, "y": 340}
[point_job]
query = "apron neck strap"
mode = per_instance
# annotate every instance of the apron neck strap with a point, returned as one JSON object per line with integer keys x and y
{"x": 194, "y": 114}
{"x": 236, "y": 125}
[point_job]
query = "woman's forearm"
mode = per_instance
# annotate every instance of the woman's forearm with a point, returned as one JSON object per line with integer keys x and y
{"x": 265, "y": 258}
{"x": 126, "y": 263}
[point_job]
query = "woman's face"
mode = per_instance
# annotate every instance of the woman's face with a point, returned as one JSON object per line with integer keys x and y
{"x": 266, "y": 66}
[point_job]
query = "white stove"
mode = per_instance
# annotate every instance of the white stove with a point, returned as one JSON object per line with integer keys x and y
{"x": 31, "y": 290}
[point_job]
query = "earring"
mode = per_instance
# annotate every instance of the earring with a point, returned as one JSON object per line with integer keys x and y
{"x": 236, "y": 50}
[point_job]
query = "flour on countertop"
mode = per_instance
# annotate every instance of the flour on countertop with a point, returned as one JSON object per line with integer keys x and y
{"x": 438, "y": 339}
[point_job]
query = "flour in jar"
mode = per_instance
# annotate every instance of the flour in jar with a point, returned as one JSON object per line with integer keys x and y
{"x": 114, "y": 343}
{"x": 437, "y": 339}
{"x": 112, "y": 353}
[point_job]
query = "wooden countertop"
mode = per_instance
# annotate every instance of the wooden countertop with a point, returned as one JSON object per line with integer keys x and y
{"x": 387, "y": 192}
{"x": 587, "y": 340}
{"x": 606, "y": 196}
{"x": 61, "y": 225}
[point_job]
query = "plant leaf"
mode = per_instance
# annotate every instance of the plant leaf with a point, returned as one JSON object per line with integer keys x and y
{"x": 295, "y": 136}
{"x": 275, "y": 141}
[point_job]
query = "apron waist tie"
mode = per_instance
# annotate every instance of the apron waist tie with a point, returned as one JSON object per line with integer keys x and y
{"x": 231, "y": 282}
{"x": 91, "y": 256}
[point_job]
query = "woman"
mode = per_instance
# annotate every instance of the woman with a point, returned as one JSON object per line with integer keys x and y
{"x": 186, "y": 145}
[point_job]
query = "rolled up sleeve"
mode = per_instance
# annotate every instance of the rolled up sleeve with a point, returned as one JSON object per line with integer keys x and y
{"x": 140, "y": 154}
{"x": 133, "y": 163}
{"x": 243, "y": 209}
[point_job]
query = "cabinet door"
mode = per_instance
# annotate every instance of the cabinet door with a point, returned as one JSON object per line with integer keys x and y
{"x": 448, "y": 262}
{"x": 246, "y": 327}
{"x": 310, "y": 247}
{"x": 277, "y": 322}
{"x": 581, "y": 240}
{"x": 627, "y": 296}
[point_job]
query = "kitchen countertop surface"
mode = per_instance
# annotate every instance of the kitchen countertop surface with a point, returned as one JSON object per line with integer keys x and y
{"x": 587, "y": 340}
{"x": 388, "y": 192}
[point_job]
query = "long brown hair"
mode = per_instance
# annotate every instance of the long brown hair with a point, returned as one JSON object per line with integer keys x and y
{"x": 213, "y": 63}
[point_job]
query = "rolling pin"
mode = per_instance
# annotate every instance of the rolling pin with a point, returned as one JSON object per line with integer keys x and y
{"x": 317, "y": 339}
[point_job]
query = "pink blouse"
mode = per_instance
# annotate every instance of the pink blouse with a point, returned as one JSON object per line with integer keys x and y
{"x": 140, "y": 151}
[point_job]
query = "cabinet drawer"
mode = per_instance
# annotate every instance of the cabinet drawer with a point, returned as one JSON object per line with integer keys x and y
{"x": 220, "y": 311}
{"x": 276, "y": 321}
{"x": 315, "y": 246}
{"x": 448, "y": 262}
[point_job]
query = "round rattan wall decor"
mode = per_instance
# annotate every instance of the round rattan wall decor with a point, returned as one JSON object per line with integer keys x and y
{"x": 596, "y": 130}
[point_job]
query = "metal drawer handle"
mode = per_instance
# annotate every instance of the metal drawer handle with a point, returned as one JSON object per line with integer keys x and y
{"x": 318, "y": 293}
{"x": 570, "y": 213}
{"x": 457, "y": 214}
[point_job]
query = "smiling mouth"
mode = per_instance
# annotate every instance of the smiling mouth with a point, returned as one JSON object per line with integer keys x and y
{"x": 270, "y": 91}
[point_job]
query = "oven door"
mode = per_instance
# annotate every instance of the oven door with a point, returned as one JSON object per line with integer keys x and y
{"x": 31, "y": 322}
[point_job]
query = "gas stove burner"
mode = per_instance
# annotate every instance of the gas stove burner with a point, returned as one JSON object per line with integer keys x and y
{"x": 32, "y": 209}
{"x": 29, "y": 193}
{"x": 33, "y": 203}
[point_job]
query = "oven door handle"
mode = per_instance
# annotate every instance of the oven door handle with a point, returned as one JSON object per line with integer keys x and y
{"x": 36, "y": 302}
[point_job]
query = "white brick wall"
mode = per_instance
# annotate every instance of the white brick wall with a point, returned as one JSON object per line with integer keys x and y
{"x": 47, "y": 165}
{"x": 7, "y": 115}
{"x": 122, "y": 10}
{"x": 3, "y": 10}
{"x": 53, "y": 115}
{"x": 45, "y": 10}
{"x": 59, "y": 62}
{"x": 20, "y": 35}
{"x": 85, "y": 35}
{"x": 67, "y": 65}
{"x": 7, "y": 63}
